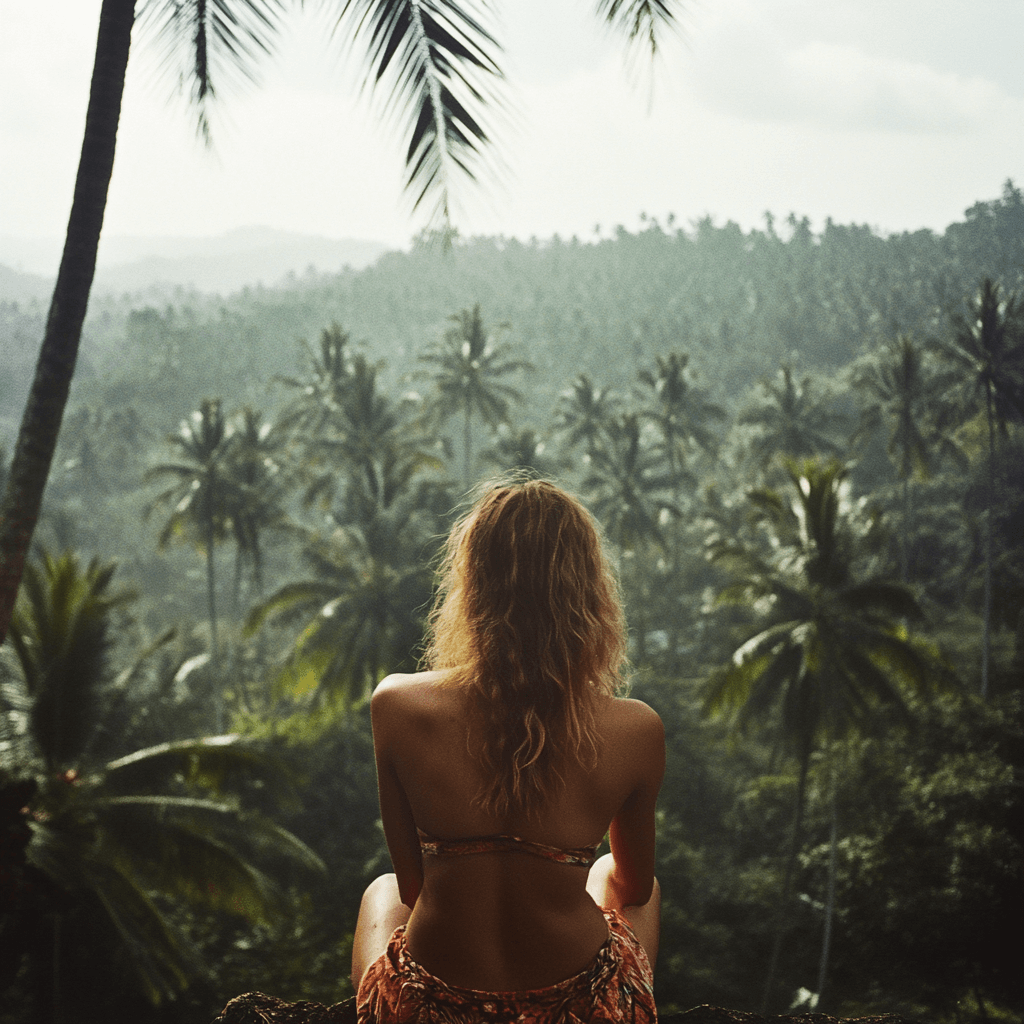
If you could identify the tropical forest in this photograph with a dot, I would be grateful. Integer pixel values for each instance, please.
(805, 449)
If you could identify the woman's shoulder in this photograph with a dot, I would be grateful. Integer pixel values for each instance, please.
(409, 692)
(407, 682)
(630, 726)
(635, 739)
(632, 715)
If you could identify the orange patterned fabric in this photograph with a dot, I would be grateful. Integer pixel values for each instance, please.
(432, 846)
(617, 988)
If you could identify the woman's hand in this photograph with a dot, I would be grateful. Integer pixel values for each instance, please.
(605, 885)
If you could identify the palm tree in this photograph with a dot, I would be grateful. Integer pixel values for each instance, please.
(830, 647)
(987, 352)
(625, 485)
(125, 827)
(469, 362)
(203, 498)
(583, 411)
(792, 420)
(363, 609)
(259, 488)
(901, 392)
(680, 413)
(438, 62)
(377, 443)
(321, 391)
(627, 489)
(521, 450)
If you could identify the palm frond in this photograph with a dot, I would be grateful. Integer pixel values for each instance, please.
(729, 686)
(187, 844)
(289, 601)
(883, 597)
(767, 641)
(442, 63)
(913, 664)
(201, 40)
(61, 635)
(128, 674)
(216, 763)
(781, 676)
(112, 718)
(166, 963)
(877, 683)
(642, 21)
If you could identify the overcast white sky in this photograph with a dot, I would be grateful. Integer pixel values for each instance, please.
(894, 113)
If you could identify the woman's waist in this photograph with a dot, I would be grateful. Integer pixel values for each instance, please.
(499, 944)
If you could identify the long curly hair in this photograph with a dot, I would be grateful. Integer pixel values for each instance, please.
(528, 619)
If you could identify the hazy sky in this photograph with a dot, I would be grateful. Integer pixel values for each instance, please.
(894, 113)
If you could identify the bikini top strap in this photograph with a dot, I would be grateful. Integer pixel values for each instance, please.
(434, 846)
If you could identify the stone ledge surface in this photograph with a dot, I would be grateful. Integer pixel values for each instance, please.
(259, 1008)
(719, 1015)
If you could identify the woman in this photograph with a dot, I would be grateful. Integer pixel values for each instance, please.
(500, 770)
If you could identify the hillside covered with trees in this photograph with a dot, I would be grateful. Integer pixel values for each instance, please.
(806, 450)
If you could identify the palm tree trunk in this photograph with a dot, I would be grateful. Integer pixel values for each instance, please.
(211, 602)
(467, 444)
(905, 531)
(830, 899)
(787, 884)
(236, 587)
(987, 634)
(44, 410)
(56, 1010)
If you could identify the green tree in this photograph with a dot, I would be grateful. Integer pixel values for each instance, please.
(792, 420)
(626, 485)
(583, 412)
(260, 486)
(987, 352)
(203, 498)
(469, 363)
(437, 62)
(523, 449)
(829, 647)
(321, 390)
(932, 870)
(376, 442)
(901, 394)
(362, 610)
(681, 414)
(125, 832)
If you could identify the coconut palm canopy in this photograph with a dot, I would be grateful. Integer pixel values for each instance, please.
(133, 829)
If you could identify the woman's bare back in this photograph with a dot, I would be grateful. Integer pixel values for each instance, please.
(504, 921)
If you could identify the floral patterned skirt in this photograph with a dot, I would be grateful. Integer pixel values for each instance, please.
(616, 988)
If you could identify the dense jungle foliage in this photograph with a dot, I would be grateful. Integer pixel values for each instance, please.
(807, 453)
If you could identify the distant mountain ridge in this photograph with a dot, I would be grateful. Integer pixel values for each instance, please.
(219, 264)
(16, 286)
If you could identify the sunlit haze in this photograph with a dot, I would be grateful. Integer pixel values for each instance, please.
(897, 115)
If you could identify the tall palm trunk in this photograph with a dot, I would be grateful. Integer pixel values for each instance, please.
(830, 898)
(905, 532)
(56, 1010)
(787, 883)
(987, 635)
(44, 410)
(467, 446)
(211, 603)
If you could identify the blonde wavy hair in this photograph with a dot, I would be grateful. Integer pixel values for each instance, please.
(529, 620)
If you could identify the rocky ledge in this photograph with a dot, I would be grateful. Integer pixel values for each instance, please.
(258, 1008)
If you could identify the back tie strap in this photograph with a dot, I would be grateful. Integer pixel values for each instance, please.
(432, 846)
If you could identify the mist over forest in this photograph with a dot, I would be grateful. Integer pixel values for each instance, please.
(806, 451)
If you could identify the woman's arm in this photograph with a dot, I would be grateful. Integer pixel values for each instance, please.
(395, 811)
(630, 880)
